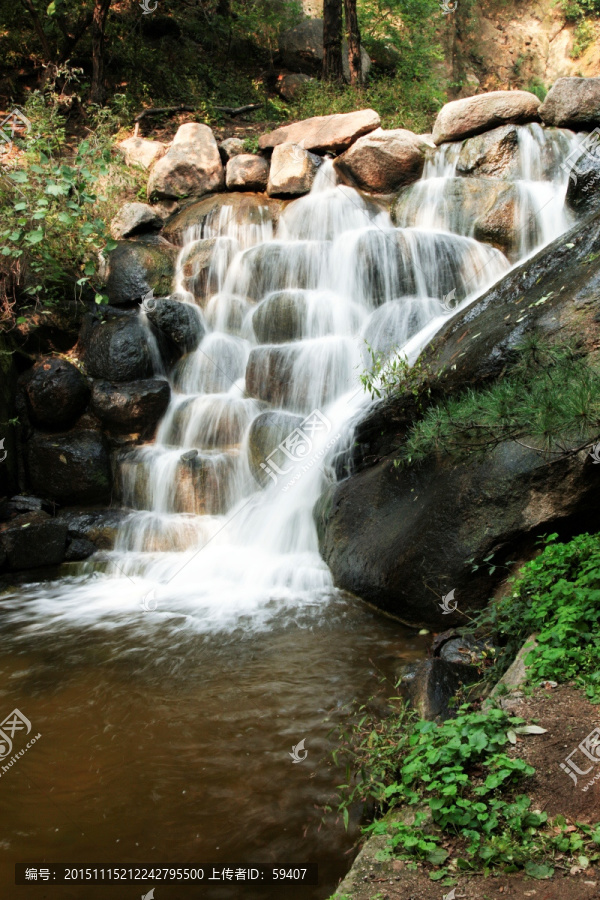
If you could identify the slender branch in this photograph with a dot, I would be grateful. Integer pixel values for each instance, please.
(238, 110)
(38, 28)
(159, 110)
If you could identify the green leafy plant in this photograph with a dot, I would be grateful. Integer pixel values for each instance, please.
(54, 204)
(557, 597)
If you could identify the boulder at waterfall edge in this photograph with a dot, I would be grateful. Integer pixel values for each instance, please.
(72, 468)
(137, 267)
(197, 266)
(494, 153)
(238, 208)
(301, 49)
(280, 317)
(403, 538)
(484, 207)
(472, 115)
(572, 103)
(190, 168)
(133, 407)
(247, 172)
(324, 133)
(116, 350)
(32, 540)
(57, 393)
(583, 191)
(135, 218)
(383, 161)
(267, 431)
(177, 322)
(292, 171)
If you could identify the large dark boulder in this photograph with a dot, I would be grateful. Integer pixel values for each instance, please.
(136, 406)
(56, 391)
(135, 267)
(32, 540)
(179, 322)
(70, 468)
(583, 192)
(116, 350)
(403, 538)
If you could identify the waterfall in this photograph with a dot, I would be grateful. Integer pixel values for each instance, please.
(289, 312)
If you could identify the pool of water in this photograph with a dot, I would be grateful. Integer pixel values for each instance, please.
(167, 746)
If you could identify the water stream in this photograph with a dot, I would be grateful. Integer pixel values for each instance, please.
(171, 677)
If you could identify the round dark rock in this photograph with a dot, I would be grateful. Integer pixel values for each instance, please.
(136, 267)
(79, 549)
(32, 540)
(117, 350)
(179, 322)
(133, 407)
(72, 467)
(57, 392)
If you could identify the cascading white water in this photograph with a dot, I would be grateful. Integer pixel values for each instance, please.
(336, 275)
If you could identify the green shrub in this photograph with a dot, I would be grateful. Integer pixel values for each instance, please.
(54, 205)
(557, 597)
(583, 37)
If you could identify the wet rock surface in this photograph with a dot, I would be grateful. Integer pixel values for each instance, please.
(117, 350)
(70, 468)
(32, 540)
(56, 391)
(136, 267)
(136, 406)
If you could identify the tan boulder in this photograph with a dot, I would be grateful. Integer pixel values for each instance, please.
(141, 152)
(192, 166)
(472, 115)
(495, 153)
(292, 171)
(384, 161)
(247, 173)
(235, 208)
(323, 133)
(573, 103)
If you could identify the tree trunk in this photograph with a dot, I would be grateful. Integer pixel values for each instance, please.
(332, 40)
(38, 29)
(100, 14)
(353, 32)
